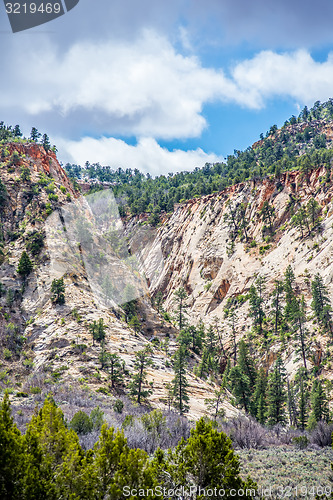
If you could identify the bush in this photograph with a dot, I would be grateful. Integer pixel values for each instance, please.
(81, 423)
(322, 434)
(118, 406)
(246, 432)
(301, 442)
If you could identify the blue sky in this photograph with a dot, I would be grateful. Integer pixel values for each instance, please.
(165, 86)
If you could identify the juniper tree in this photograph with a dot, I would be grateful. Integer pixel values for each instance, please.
(321, 303)
(180, 382)
(276, 394)
(137, 385)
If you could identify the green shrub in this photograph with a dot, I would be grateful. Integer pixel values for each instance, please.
(81, 423)
(301, 442)
(118, 406)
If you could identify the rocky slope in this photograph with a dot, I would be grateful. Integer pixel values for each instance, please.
(195, 242)
(43, 344)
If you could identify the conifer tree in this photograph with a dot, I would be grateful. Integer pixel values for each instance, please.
(97, 330)
(319, 404)
(25, 265)
(232, 318)
(291, 307)
(180, 297)
(246, 362)
(241, 388)
(292, 408)
(58, 291)
(214, 404)
(276, 394)
(321, 303)
(137, 385)
(259, 397)
(313, 210)
(115, 369)
(276, 303)
(35, 135)
(46, 142)
(11, 454)
(303, 397)
(180, 383)
(256, 303)
(267, 213)
(300, 318)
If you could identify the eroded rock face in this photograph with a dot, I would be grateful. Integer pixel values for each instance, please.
(197, 238)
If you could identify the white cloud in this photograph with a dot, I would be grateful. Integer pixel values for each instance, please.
(145, 88)
(147, 155)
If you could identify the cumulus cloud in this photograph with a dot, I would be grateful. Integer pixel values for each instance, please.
(147, 88)
(147, 155)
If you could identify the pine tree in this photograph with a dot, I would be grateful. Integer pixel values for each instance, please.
(246, 362)
(58, 291)
(17, 131)
(313, 210)
(303, 397)
(180, 297)
(276, 395)
(319, 404)
(241, 388)
(259, 397)
(291, 307)
(135, 323)
(256, 303)
(115, 369)
(292, 408)
(180, 383)
(321, 303)
(35, 135)
(232, 318)
(142, 362)
(276, 302)
(25, 265)
(267, 214)
(214, 404)
(97, 330)
(158, 301)
(300, 318)
(46, 142)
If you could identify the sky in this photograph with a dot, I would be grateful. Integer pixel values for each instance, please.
(165, 86)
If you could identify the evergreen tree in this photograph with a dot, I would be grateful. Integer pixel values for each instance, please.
(25, 265)
(319, 404)
(267, 214)
(259, 397)
(58, 291)
(256, 303)
(246, 362)
(180, 383)
(135, 323)
(276, 303)
(292, 408)
(241, 388)
(46, 142)
(321, 303)
(180, 297)
(115, 369)
(291, 308)
(137, 385)
(35, 135)
(313, 210)
(17, 131)
(214, 404)
(302, 334)
(97, 330)
(276, 395)
(232, 318)
(206, 460)
(303, 397)
(158, 301)
(11, 454)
